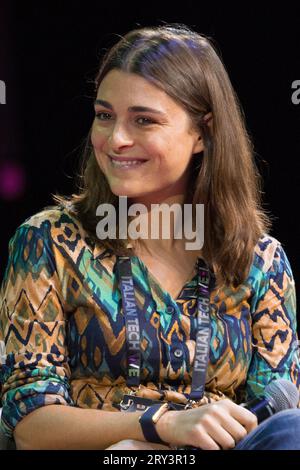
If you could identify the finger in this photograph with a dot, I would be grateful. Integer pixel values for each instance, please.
(220, 436)
(206, 442)
(235, 429)
(244, 417)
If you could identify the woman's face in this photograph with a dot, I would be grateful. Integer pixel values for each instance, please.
(143, 140)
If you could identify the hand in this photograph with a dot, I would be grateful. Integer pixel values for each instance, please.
(219, 425)
(133, 444)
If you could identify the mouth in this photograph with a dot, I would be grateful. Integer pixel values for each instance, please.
(126, 163)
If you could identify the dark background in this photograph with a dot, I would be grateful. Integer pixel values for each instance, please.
(49, 53)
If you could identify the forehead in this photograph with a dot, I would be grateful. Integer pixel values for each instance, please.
(131, 88)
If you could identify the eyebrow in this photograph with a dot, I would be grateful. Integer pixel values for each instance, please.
(133, 109)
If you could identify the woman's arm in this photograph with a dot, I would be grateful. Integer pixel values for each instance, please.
(66, 427)
(32, 327)
(274, 328)
(219, 425)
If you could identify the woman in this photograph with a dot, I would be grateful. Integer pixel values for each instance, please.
(167, 129)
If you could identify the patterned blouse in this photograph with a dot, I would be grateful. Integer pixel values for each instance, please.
(62, 328)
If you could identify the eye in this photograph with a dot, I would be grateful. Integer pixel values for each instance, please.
(102, 116)
(145, 121)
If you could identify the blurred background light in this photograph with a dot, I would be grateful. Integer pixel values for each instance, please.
(12, 180)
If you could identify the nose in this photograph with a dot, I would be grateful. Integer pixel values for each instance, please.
(119, 137)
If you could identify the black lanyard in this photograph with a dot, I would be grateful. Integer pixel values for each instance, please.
(133, 334)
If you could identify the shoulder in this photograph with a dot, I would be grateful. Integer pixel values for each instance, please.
(52, 222)
(50, 217)
(47, 242)
(270, 267)
(56, 229)
(264, 252)
(52, 227)
(270, 256)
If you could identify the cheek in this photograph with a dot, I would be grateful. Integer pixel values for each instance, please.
(160, 149)
(97, 137)
(97, 141)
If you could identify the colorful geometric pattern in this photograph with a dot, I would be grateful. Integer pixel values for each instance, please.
(63, 327)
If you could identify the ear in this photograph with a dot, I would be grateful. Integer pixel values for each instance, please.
(198, 146)
(209, 120)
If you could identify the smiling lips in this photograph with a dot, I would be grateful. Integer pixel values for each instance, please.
(125, 162)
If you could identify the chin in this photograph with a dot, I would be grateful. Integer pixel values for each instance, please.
(123, 191)
(129, 193)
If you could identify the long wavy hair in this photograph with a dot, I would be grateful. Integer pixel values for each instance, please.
(224, 177)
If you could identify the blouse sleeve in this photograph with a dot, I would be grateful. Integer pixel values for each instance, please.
(274, 329)
(35, 368)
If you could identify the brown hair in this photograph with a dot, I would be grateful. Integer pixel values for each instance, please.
(187, 66)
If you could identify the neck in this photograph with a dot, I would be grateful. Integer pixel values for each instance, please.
(158, 225)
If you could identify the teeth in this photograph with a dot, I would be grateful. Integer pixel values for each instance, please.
(126, 163)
